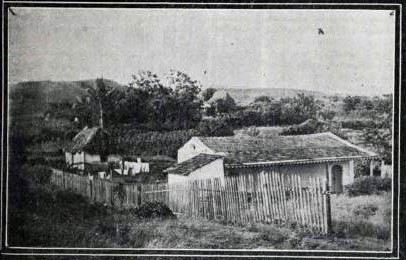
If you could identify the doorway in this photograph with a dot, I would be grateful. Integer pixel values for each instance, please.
(337, 179)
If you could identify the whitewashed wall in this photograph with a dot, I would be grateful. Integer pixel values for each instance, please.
(214, 169)
(90, 158)
(78, 160)
(176, 178)
(192, 148)
(68, 158)
(317, 170)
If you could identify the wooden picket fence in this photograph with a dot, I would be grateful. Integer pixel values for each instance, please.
(267, 197)
(264, 197)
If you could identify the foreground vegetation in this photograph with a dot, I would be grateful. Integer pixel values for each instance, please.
(43, 216)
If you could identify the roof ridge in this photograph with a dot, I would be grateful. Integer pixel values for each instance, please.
(351, 144)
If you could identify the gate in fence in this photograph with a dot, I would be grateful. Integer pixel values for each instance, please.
(264, 197)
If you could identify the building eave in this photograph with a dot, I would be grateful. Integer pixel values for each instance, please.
(298, 162)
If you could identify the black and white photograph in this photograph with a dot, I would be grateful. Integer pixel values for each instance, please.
(202, 129)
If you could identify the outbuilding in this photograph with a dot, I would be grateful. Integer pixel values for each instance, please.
(323, 155)
(89, 146)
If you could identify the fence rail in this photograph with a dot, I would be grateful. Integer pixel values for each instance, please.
(264, 197)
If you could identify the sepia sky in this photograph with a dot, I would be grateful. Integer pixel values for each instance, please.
(227, 48)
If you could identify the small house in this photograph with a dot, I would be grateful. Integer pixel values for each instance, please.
(89, 146)
(322, 155)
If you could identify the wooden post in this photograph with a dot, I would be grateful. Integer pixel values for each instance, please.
(371, 168)
(139, 190)
(327, 202)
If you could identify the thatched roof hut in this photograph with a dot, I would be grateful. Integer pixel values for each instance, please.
(92, 140)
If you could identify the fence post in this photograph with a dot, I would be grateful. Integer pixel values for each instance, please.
(63, 179)
(328, 206)
(139, 189)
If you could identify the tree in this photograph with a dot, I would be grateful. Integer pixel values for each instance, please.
(157, 98)
(215, 127)
(380, 135)
(185, 99)
(93, 105)
(170, 104)
(262, 99)
(224, 105)
(350, 103)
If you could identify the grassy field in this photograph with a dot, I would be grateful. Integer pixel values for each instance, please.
(47, 217)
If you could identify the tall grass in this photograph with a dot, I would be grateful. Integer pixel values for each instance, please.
(362, 216)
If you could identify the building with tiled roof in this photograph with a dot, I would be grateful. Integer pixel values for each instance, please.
(322, 155)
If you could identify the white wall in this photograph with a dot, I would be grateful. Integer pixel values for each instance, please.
(214, 169)
(192, 148)
(114, 158)
(317, 170)
(176, 178)
(78, 160)
(89, 158)
(68, 158)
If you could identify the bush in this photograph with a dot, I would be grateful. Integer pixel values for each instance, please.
(359, 124)
(153, 210)
(310, 126)
(40, 174)
(368, 185)
(274, 235)
(366, 211)
(215, 127)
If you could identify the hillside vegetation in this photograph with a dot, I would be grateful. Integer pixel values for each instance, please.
(246, 96)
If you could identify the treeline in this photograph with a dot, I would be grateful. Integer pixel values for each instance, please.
(148, 102)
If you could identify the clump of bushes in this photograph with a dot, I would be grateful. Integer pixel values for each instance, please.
(40, 174)
(153, 210)
(359, 124)
(215, 127)
(368, 185)
(310, 126)
(366, 210)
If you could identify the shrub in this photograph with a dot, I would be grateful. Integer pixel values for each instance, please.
(274, 235)
(40, 174)
(367, 185)
(215, 127)
(359, 124)
(153, 210)
(366, 211)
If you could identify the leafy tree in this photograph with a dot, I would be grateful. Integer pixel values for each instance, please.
(93, 106)
(169, 105)
(215, 127)
(157, 98)
(379, 135)
(225, 105)
(185, 99)
(262, 99)
(350, 103)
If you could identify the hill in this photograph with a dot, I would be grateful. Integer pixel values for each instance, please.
(245, 96)
(34, 97)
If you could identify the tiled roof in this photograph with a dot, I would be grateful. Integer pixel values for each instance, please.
(284, 148)
(188, 166)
